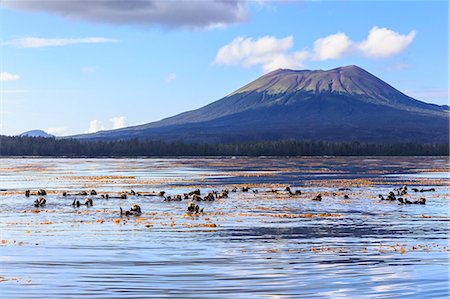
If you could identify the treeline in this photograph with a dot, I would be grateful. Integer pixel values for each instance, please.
(38, 146)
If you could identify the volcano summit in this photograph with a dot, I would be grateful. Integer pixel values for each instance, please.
(342, 104)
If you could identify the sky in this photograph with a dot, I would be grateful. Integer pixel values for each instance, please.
(71, 67)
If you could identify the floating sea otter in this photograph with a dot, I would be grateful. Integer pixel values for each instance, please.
(82, 193)
(197, 197)
(405, 201)
(391, 196)
(134, 211)
(160, 193)
(193, 208)
(88, 203)
(318, 197)
(195, 192)
(209, 197)
(223, 194)
(175, 198)
(41, 192)
(296, 192)
(121, 196)
(40, 202)
(402, 191)
(421, 201)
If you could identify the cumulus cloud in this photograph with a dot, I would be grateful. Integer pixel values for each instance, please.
(286, 61)
(271, 52)
(95, 126)
(5, 76)
(268, 51)
(383, 42)
(172, 14)
(331, 47)
(118, 122)
(380, 43)
(39, 42)
(58, 131)
(251, 51)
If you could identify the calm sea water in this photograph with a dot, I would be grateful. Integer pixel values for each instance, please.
(250, 245)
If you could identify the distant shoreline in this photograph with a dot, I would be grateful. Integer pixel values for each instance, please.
(51, 147)
(214, 157)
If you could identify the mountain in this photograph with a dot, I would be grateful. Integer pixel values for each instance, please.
(36, 133)
(342, 104)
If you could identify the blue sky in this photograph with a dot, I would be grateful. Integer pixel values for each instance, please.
(69, 69)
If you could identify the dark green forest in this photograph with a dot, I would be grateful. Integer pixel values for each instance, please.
(38, 146)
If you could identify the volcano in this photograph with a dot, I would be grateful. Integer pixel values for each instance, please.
(342, 104)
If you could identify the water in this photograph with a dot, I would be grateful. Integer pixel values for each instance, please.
(250, 245)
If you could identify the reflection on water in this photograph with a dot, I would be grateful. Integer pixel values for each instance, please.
(264, 244)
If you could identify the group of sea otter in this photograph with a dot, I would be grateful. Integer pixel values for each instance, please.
(211, 196)
(135, 209)
(404, 191)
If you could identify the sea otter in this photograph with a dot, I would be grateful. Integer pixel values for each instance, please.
(134, 211)
(40, 202)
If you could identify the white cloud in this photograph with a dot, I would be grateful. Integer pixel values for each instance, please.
(383, 42)
(332, 46)
(118, 122)
(145, 13)
(286, 61)
(380, 43)
(39, 42)
(58, 131)
(271, 52)
(171, 77)
(4, 76)
(95, 126)
(251, 51)
(268, 51)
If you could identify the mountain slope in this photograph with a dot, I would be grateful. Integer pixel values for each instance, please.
(345, 103)
(36, 133)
